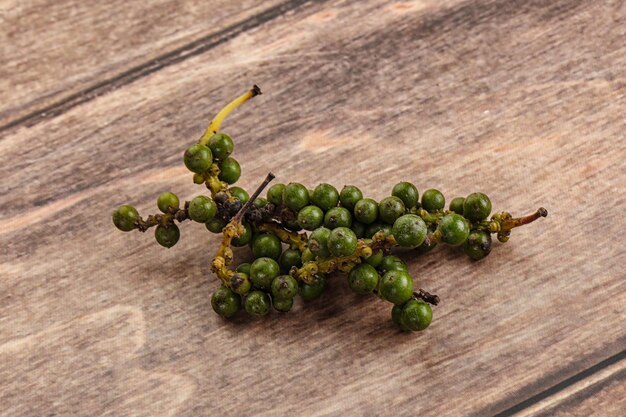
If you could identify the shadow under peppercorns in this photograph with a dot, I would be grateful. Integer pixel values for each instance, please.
(337, 309)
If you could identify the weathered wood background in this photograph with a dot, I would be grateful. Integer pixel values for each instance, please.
(524, 100)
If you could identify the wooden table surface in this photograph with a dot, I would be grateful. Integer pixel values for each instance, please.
(523, 100)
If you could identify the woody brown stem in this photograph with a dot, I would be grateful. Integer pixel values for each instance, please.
(234, 228)
(152, 220)
(426, 296)
(509, 223)
(253, 197)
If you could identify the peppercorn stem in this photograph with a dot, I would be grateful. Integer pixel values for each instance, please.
(433, 237)
(292, 238)
(333, 263)
(306, 273)
(426, 296)
(429, 217)
(253, 197)
(216, 123)
(509, 223)
(381, 241)
(218, 266)
(235, 229)
(179, 215)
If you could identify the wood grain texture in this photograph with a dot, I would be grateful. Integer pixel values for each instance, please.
(522, 100)
(52, 51)
(602, 393)
(605, 399)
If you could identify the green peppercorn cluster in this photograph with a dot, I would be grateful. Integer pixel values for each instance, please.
(212, 165)
(338, 227)
(299, 237)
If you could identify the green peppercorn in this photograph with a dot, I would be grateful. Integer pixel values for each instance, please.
(363, 278)
(309, 292)
(342, 242)
(390, 208)
(426, 247)
(433, 200)
(454, 229)
(374, 228)
(307, 256)
(456, 205)
(318, 242)
(240, 194)
(202, 209)
(292, 225)
(257, 303)
(221, 145)
(406, 192)
(275, 194)
(396, 287)
(230, 171)
(215, 225)
(284, 287)
(283, 305)
(416, 315)
(358, 229)
(266, 245)
(125, 218)
(244, 239)
(476, 207)
(168, 202)
(477, 245)
(349, 196)
(221, 197)
(325, 196)
(392, 263)
(409, 230)
(337, 217)
(198, 158)
(244, 267)
(366, 210)
(310, 217)
(396, 317)
(225, 302)
(376, 258)
(260, 202)
(263, 271)
(240, 283)
(290, 258)
(295, 196)
(167, 236)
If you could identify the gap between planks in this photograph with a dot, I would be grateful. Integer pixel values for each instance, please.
(584, 380)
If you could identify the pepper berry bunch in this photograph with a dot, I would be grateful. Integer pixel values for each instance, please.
(300, 236)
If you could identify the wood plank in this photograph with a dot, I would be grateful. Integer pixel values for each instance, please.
(59, 52)
(503, 97)
(606, 399)
(601, 394)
